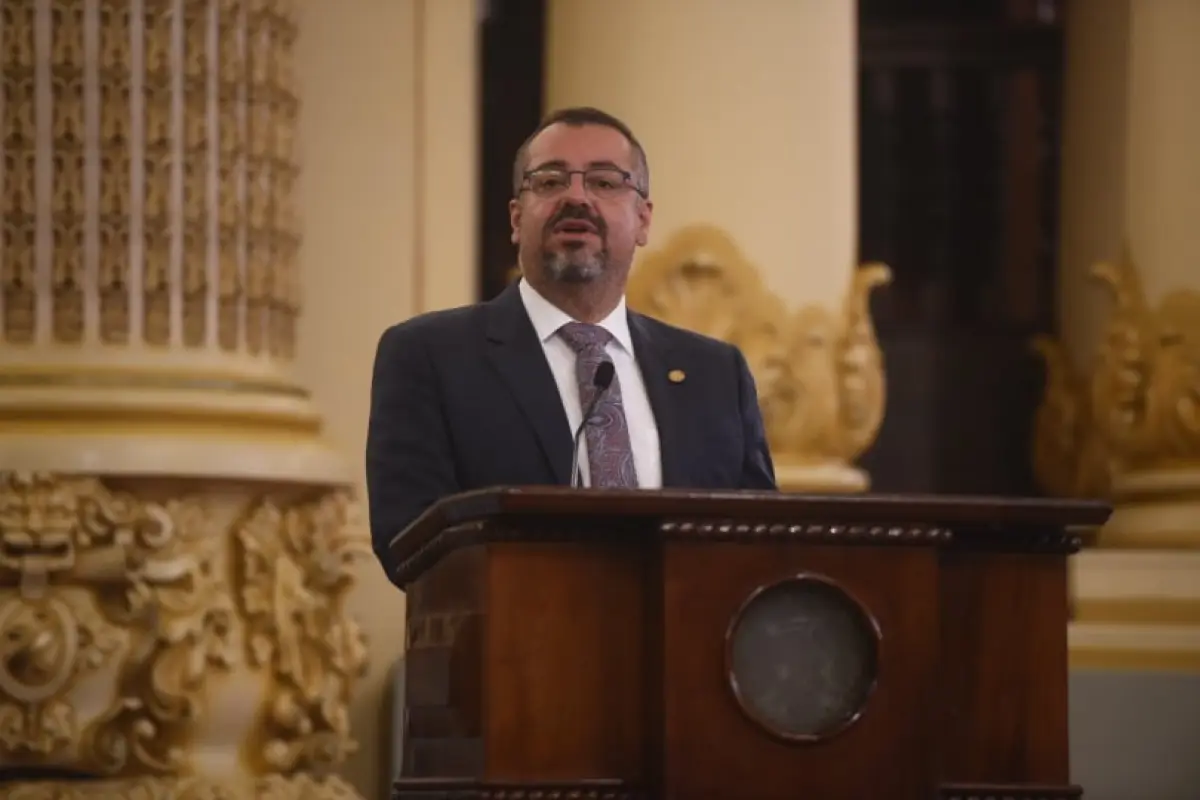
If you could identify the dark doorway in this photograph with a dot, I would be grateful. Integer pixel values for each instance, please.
(512, 49)
(959, 113)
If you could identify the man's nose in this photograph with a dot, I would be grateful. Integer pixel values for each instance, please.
(576, 191)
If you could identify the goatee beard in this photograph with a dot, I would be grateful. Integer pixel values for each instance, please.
(575, 266)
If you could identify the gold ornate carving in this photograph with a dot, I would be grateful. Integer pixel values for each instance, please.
(88, 575)
(1070, 456)
(130, 218)
(49, 641)
(297, 565)
(197, 165)
(819, 372)
(18, 260)
(113, 77)
(66, 75)
(272, 787)
(1139, 407)
(84, 561)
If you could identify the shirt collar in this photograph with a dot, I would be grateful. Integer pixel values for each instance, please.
(547, 318)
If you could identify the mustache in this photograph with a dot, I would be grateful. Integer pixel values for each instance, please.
(573, 211)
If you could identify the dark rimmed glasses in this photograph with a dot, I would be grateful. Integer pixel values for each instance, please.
(603, 183)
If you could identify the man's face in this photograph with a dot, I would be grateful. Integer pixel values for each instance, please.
(571, 230)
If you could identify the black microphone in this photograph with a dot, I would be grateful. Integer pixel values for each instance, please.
(603, 379)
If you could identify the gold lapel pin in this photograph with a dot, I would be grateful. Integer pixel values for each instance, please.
(676, 376)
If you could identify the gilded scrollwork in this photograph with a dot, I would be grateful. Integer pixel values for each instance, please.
(296, 566)
(1138, 407)
(1070, 455)
(819, 372)
(274, 787)
(51, 636)
(84, 562)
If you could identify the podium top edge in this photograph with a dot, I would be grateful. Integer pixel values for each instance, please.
(1014, 514)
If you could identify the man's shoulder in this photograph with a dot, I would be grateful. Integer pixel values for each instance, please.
(441, 325)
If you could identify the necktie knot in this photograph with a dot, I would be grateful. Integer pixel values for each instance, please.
(584, 338)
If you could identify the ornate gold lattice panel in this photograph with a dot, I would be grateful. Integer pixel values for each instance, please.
(149, 159)
(148, 274)
(819, 371)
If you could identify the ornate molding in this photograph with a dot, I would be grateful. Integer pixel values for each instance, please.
(142, 566)
(1128, 427)
(297, 566)
(165, 595)
(459, 789)
(301, 787)
(1007, 791)
(819, 371)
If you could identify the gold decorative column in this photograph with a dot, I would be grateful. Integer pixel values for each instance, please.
(176, 540)
(1126, 422)
(753, 178)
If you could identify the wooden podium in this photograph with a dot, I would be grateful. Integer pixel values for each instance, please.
(593, 644)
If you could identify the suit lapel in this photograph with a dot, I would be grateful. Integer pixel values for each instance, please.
(666, 398)
(515, 351)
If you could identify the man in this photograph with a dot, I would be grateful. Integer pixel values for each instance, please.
(491, 394)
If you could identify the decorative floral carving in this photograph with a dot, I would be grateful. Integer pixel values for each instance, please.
(83, 561)
(1070, 455)
(47, 642)
(177, 595)
(819, 372)
(297, 565)
(274, 787)
(1139, 408)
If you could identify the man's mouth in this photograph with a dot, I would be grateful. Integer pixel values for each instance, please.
(575, 227)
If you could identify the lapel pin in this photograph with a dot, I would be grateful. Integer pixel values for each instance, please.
(676, 376)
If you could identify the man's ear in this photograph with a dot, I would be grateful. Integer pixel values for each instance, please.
(514, 219)
(645, 213)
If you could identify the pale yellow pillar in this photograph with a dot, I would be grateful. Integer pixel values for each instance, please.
(1121, 417)
(177, 537)
(747, 113)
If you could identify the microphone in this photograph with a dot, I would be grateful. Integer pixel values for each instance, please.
(603, 379)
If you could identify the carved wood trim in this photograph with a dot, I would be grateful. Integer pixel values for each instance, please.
(991, 539)
(1007, 791)
(458, 789)
(728, 530)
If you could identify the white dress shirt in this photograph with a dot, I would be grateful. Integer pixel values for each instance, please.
(547, 318)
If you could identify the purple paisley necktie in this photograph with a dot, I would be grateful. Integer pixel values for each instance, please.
(610, 455)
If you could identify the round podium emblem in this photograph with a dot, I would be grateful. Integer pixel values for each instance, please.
(802, 658)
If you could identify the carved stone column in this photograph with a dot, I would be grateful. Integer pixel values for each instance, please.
(176, 539)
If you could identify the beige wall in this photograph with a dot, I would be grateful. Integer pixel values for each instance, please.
(748, 116)
(387, 199)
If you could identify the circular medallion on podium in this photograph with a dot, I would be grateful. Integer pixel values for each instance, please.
(802, 658)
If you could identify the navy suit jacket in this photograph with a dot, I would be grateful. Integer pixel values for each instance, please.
(464, 399)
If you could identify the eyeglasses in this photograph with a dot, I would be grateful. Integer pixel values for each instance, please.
(603, 183)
